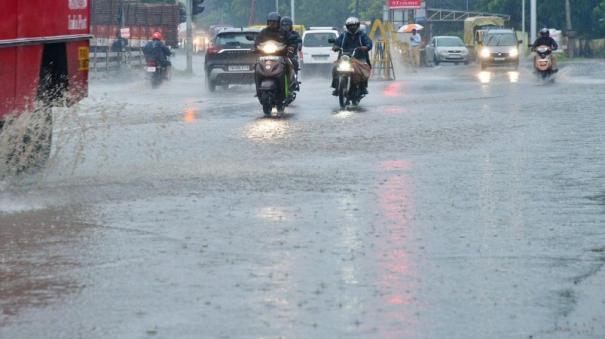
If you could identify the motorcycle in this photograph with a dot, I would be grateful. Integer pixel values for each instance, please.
(350, 79)
(276, 81)
(543, 64)
(156, 73)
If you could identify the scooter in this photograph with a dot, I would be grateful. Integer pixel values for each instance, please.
(275, 78)
(349, 80)
(543, 62)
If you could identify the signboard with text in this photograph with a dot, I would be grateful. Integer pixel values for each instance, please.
(404, 4)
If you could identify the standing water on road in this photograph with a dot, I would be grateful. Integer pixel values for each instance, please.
(452, 203)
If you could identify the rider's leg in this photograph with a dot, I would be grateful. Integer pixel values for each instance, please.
(334, 81)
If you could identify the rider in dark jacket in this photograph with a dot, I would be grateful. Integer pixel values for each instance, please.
(295, 40)
(349, 40)
(546, 40)
(157, 51)
(273, 32)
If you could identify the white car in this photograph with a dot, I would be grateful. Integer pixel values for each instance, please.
(446, 49)
(317, 50)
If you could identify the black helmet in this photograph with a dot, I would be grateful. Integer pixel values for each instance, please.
(273, 17)
(544, 32)
(286, 21)
(352, 25)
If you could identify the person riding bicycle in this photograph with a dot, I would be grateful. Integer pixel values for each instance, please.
(353, 38)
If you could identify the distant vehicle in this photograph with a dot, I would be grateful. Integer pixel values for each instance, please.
(230, 59)
(475, 27)
(156, 73)
(299, 28)
(215, 29)
(499, 47)
(317, 50)
(447, 49)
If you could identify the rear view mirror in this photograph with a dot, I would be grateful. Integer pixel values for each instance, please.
(250, 37)
(520, 42)
(331, 40)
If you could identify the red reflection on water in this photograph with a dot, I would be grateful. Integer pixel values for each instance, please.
(393, 90)
(396, 110)
(395, 165)
(396, 267)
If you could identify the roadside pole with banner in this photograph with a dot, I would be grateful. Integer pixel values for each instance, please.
(400, 10)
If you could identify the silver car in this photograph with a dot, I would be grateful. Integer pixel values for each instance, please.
(446, 49)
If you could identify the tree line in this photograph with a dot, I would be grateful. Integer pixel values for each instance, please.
(588, 16)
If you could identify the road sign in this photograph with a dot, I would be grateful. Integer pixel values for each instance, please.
(404, 4)
(125, 33)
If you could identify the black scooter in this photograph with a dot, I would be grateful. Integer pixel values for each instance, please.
(275, 79)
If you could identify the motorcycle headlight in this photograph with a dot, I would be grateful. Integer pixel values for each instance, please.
(269, 48)
(485, 53)
(345, 66)
(514, 52)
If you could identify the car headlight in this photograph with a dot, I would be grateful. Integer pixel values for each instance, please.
(345, 66)
(514, 52)
(485, 53)
(269, 48)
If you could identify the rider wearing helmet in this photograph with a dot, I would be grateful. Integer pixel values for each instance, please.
(546, 40)
(353, 38)
(273, 31)
(157, 51)
(287, 24)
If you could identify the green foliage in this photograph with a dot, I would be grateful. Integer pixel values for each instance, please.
(585, 14)
(588, 16)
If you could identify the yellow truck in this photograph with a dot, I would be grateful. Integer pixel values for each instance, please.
(299, 28)
(475, 27)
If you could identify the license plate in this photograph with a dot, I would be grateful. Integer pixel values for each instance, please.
(320, 57)
(150, 69)
(239, 68)
(499, 59)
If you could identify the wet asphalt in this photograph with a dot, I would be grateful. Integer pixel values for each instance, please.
(450, 204)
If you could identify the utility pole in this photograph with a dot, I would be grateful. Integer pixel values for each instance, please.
(293, 10)
(533, 17)
(523, 26)
(252, 17)
(189, 43)
(357, 8)
(277, 6)
(571, 44)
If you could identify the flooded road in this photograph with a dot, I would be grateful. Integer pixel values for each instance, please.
(452, 204)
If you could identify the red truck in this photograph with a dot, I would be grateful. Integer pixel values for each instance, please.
(44, 52)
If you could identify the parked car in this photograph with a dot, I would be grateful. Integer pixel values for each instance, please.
(446, 49)
(499, 47)
(317, 50)
(229, 59)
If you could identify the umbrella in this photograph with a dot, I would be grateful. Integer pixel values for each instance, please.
(408, 28)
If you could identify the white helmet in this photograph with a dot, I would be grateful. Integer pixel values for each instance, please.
(352, 25)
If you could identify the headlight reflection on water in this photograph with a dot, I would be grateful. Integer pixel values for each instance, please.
(268, 130)
(513, 77)
(485, 77)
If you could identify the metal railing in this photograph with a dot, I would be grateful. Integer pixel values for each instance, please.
(450, 15)
(104, 59)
